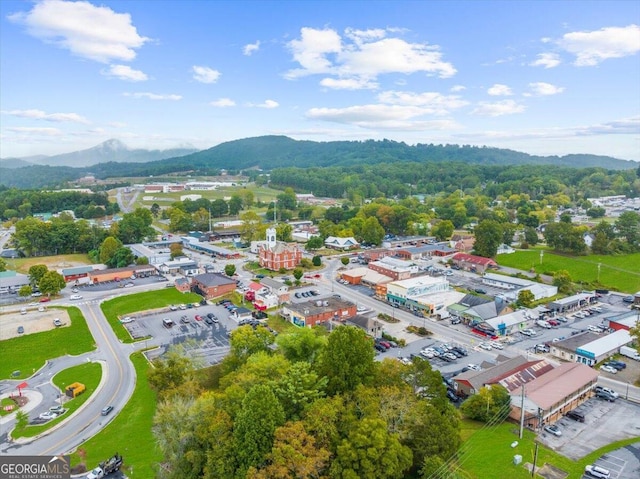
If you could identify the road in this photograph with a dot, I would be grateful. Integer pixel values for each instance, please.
(118, 383)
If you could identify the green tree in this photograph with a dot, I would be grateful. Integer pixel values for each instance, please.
(135, 227)
(297, 274)
(315, 242)
(176, 250)
(22, 420)
(36, 272)
(246, 341)
(247, 198)
(255, 425)
(628, 227)
(491, 403)
(372, 231)
(251, 229)
(302, 344)
(488, 237)
(3, 265)
(344, 260)
(51, 283)
(155, 210)
(230, 269)
(371, 452)
(142, 260)
(108, 249)
(562, 279)
(530, 236)
(171, 371)
(443, 230)
(298, 389)
(235, 204)
(121, 258)
(317, 261)
(347, 360)
(525, 298)
(25, 291)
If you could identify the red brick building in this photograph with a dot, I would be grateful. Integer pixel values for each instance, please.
(274, 255)
(213, 285)
(312, 313)
(473, 263)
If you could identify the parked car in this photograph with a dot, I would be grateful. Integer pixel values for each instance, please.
(480, 291)
(497, 345)
(608, 369)
(485, 346)
(456, 320)
(56, 409)
(45, 299)
(460, 350)
(607, 390)
(197, 317)
(57, 322)
(619, 365)
(628, 299)
(48, 415)
(474, 367)
(553, 429)
(20, 329)
(75, 296)
(597, 471)
(576, 416)
(450, 356)
(605, 395)
(594, 329)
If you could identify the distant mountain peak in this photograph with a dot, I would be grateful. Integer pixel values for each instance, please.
(113, 145)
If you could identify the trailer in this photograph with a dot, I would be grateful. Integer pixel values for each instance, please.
(107, 467)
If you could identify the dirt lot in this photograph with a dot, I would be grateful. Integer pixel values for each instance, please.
(32, 322)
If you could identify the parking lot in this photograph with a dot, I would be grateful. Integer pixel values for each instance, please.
(209, 341)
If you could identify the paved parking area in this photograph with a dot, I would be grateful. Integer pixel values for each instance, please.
(623, 463)
(210, 342)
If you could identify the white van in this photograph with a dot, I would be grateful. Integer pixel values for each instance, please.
(23, 311)
(167, 323)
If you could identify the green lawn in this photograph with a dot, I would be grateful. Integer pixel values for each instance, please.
(129, 433)
(133, 303)
(29, 353)
(88, 374)
(619, 273)
(22, 265)
(487, 452)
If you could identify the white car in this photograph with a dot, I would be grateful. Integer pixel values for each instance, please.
(595, 329)
(485, 346)
(608, 369)
(75, 296)
(474, 367)
(497, 345)
(553, 429)
(597, 471)
(48, 415)
(607, 390)
(126, 319)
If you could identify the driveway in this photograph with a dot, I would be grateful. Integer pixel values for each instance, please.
(623, 463)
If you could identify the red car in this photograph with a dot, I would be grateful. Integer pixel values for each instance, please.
(198, 317)
(45, 299)
(553, 322)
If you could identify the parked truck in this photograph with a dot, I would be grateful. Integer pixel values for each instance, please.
(630, 352)
(107, 467)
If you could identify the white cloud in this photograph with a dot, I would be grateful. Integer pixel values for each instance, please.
(380, 116)
(35, 131)
(41, 115)
(547, 60)
(544, 89)
(363, 55)
(457, 88)
(591, 48)
(499, 90)
(429, 102)
(250, 48)
(205, 74)
(504, 107)
(348, 83)
(117, 124)
(268, 104)
(223, 103)
(88, 31)
(154, 96)
(125, 72)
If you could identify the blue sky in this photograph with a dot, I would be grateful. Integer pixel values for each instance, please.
(543, 77)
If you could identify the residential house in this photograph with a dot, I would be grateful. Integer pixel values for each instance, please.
(469, 262)
(343, 244)
(371, 326)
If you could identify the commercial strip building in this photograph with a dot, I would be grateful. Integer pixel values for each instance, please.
(515, 285)
(413, 293)
(572, 303)
(590, 348)
(321, 311)
(626, 320)
(549, 397)
(11, 281)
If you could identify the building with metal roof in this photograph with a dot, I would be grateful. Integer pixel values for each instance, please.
(603, 347)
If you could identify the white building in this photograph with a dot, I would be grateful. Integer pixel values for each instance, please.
(595, 351)
(515, 285)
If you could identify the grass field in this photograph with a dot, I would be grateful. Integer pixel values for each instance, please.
(30, 352)
(488, 453)
(129, 433)
(22, 265)
(88, 374)
(619, 273)
(134, 303)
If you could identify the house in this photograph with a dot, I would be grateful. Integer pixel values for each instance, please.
(588, 239)
(371, 326)
(275, 255)
(505, 249)
(469, 262)
(423, 251)
(509, 323)
(213, 285)
(183, 266)
(462, 243)
(183, 285)
(321, 311)
(239, 314)
(550, 396)
(365, 276)
(342, 244)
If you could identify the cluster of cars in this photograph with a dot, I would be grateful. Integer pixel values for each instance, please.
(445, 352)
(52, 413)
(613, 366)
(382, 345)
(306, 294)
(489, 345)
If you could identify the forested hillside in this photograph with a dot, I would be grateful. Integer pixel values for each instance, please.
(272, 152)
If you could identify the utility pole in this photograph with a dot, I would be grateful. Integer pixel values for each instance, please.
(535, 460)
(522, 413)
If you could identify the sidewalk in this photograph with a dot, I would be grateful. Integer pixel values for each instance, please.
(34, 397)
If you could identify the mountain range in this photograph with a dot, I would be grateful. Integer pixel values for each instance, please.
(108, 151)
(113, 159)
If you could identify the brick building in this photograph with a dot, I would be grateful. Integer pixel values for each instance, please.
(274, 255)
(213, 285)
